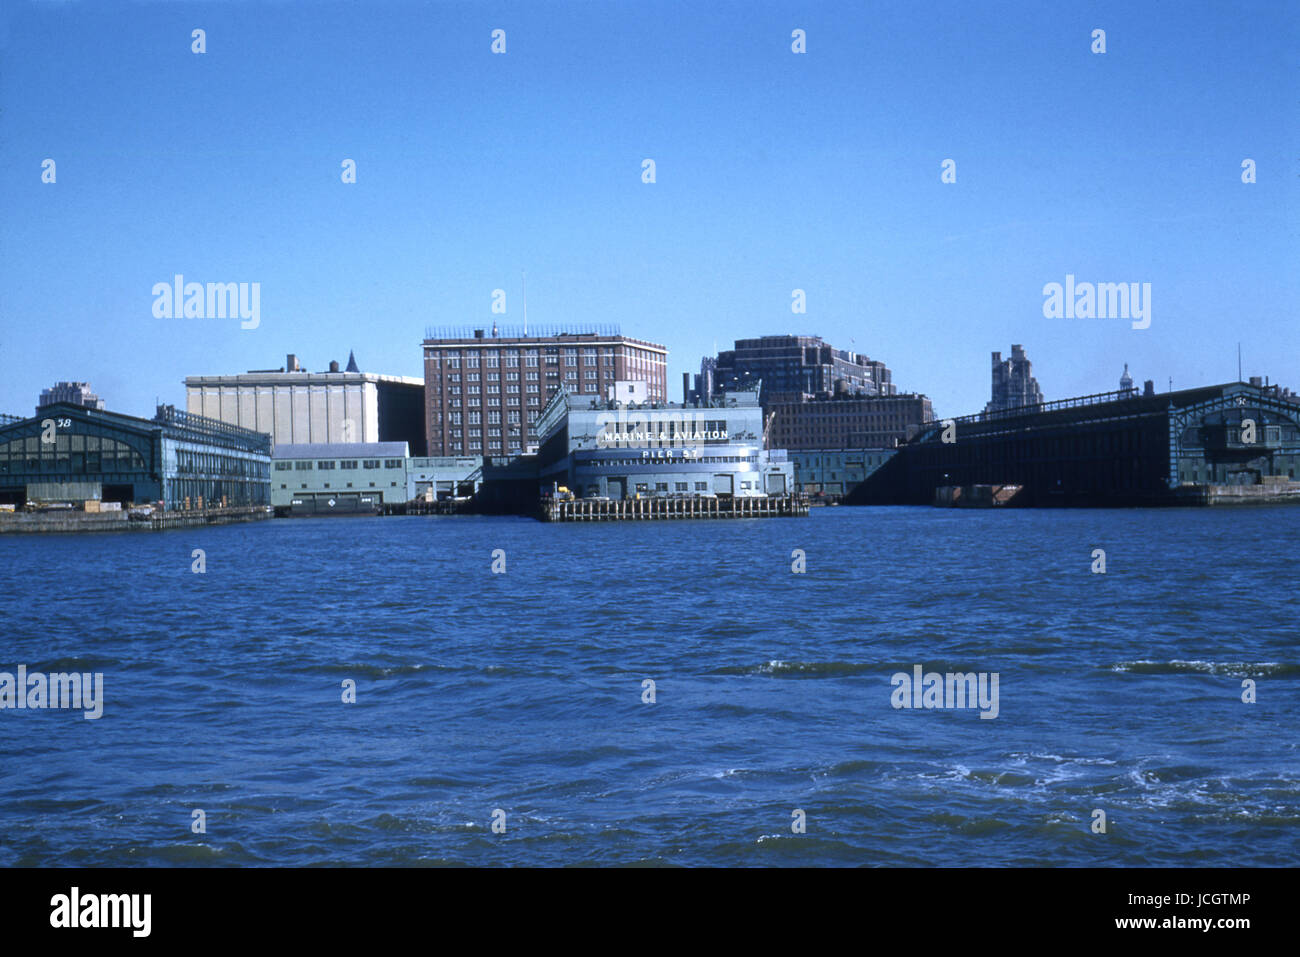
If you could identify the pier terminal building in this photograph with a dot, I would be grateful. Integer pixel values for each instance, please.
(73, 453)
(625, 445)
(1236, 442)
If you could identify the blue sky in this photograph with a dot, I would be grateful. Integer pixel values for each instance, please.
(775, 171)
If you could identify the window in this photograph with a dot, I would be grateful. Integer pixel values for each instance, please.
(284, 466)
(370, 464)
(392, 463)
(302, 466)
(348, 464)
(681, 486)
(325, 465)
(701, 486)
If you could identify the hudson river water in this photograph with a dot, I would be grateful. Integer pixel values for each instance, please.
(522, 691)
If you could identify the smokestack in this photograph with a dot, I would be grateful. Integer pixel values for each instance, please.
(334, 365)
(686, 388)
(291, 363)
(1149, 387)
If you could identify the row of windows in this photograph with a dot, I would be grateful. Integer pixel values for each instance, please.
(328, 464)
(63, 442)
(718, 459)
(76, 463)
(490, 354)
(512, 362)
(327, 485)
(211, 463)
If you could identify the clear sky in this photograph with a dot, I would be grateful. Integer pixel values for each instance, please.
(775, 171)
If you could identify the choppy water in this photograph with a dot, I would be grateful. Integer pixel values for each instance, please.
(523, 691)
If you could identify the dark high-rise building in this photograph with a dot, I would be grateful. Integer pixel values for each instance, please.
(75, 393)
(799, 368)
(483, 392)
(1014, 385)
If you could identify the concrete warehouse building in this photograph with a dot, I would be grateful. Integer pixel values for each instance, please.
(616, 449)
(73, 453)
(338, 477)
(297, 407)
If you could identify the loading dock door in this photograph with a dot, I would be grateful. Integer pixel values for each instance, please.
(776, 483)
(722, 485)
(617, 488)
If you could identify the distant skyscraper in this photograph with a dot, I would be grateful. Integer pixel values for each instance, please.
(1014, 385)
(799, 368)
(1126, 380)
(704, 379)
(78, 393)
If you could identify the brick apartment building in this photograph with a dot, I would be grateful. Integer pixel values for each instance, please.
(484, 389)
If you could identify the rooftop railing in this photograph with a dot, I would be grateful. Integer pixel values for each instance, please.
(1080, 401)
(532, 331)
